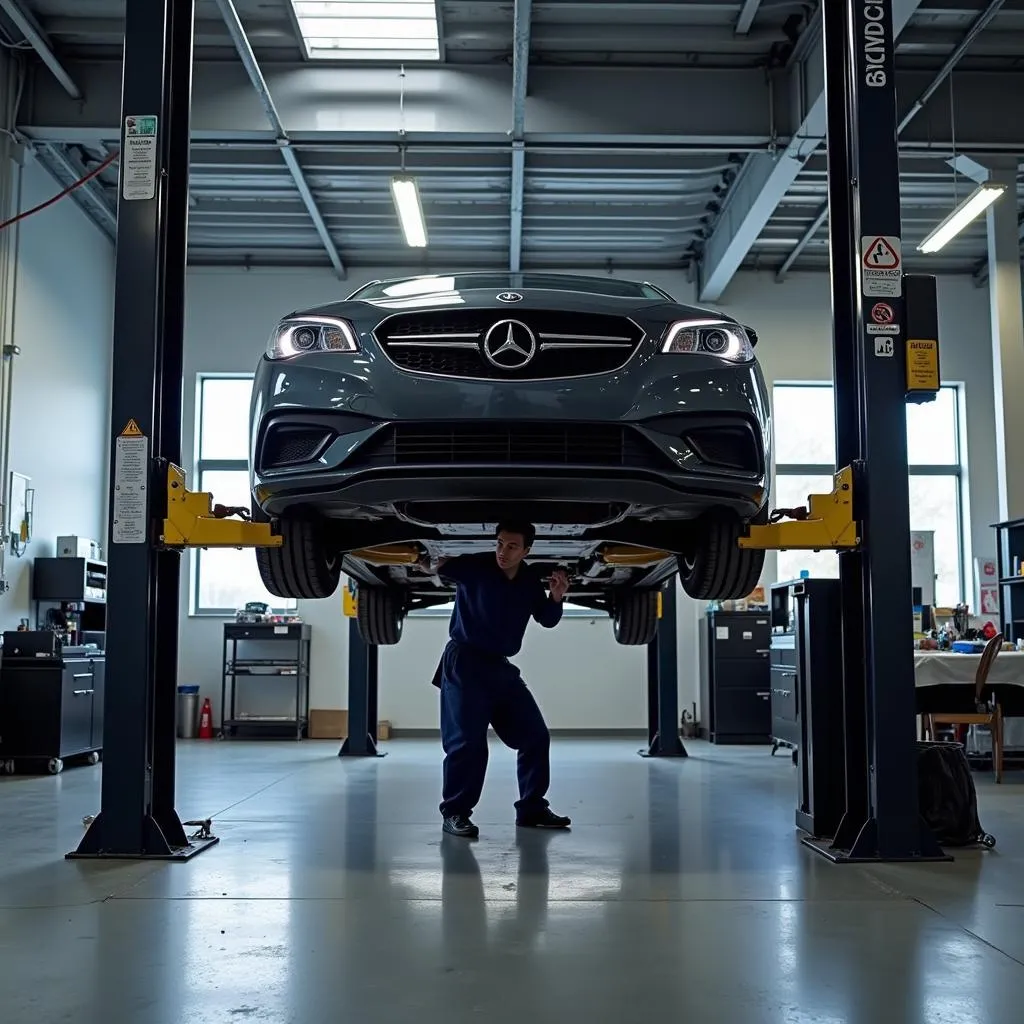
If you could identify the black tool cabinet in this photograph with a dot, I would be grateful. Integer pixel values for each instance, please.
(807, 667)
(51, 708)
(735, 677)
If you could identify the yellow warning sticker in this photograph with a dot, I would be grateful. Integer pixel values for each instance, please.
(131, 430)
(922, 364)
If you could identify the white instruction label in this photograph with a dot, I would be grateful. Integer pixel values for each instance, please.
(139, 157)
(884, 347)
(131, 481)
(882, 266)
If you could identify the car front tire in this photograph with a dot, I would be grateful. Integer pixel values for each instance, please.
(717, 568)
(380, 614)
(635, 617)
(305, 566)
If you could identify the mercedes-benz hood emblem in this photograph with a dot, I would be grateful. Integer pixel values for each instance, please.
(510, 345)
(509, 297)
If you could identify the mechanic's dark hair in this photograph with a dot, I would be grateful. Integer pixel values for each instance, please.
(525, 530)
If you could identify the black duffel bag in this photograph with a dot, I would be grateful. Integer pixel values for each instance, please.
(948, 799)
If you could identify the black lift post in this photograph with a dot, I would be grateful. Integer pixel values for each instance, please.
(663, 683)
(362, 697)
(882, 820)
(137, 818)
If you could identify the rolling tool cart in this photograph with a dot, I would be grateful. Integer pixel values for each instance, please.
(51, 702)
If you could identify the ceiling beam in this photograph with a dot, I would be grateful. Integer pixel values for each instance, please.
(679, 110)
(29, 28)
(764, 179)
(520, 70)
(252, 69)
(747, 15)
(919, 104)
(99, 209)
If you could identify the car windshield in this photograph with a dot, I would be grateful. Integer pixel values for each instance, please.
(412, 287)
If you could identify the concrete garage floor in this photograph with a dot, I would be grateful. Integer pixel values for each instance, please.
(681, 893)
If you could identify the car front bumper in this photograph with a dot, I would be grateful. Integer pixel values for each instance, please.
(671, 433)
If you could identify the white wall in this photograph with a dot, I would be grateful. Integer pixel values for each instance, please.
(63, 317)
(582, 678)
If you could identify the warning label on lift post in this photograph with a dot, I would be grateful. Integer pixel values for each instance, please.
(131, 481)
(139, 157)
(881, 266)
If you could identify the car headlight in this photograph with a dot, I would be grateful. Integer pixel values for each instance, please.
(300, 334)
(710, 337)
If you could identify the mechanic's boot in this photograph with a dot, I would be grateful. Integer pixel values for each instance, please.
(460, 825)
(542, 819)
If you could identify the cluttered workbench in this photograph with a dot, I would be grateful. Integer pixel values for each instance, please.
(944, 682)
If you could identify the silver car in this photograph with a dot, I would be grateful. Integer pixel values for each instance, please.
(405, 421)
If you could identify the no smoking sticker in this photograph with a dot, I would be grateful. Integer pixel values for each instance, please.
(883, 319)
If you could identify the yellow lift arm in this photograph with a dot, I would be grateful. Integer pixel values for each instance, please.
(826, 525)
(192, 520)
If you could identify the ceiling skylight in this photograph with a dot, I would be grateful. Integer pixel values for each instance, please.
(403, 30)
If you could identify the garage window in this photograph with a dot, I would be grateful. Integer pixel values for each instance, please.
(805, 461)
(225, 580)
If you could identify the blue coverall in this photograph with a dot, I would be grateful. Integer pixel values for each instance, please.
(481, 687)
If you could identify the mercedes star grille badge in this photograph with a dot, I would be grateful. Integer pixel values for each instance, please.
(510, 297)
(510, 345)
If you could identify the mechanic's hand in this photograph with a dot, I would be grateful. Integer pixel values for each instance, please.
(559, 584)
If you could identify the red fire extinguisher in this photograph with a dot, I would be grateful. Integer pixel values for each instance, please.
(206, 721)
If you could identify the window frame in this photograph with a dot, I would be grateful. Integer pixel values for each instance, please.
(200, 467)
(954, 469)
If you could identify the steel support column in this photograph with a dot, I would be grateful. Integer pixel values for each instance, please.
(663, 684)
(137, 818)
(362, 697)
(1007, 319)
(882, 820)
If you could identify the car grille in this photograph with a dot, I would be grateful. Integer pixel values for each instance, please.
(508, 444)
(451, 343)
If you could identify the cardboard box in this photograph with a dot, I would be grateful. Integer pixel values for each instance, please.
(328, 724)
(383, 730)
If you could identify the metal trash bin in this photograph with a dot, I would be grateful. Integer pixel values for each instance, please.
(188, 712)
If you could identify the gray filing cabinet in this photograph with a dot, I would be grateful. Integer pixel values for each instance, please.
(736, 677)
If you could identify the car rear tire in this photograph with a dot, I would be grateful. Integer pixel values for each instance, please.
(306, 566)
(380, 614)
(718, 569)
(635, 617)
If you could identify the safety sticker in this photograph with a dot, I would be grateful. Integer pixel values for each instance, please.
(922, 364)
(884, 347)
(882, 266)
(131, 482)
(882, 319)
(139, 157)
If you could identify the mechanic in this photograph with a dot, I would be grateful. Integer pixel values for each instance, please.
(496, 595)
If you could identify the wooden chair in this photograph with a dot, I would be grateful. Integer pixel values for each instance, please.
(986, 711)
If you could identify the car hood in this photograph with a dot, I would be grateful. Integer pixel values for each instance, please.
(540, 298)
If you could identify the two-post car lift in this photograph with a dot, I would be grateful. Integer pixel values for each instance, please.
(866, 518)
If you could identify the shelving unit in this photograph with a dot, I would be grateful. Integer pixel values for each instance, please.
(1010, 555)
(272, 654)
(78, 585)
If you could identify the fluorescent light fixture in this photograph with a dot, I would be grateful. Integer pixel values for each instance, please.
(406, 194)
(402, 30)
(974, 205)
